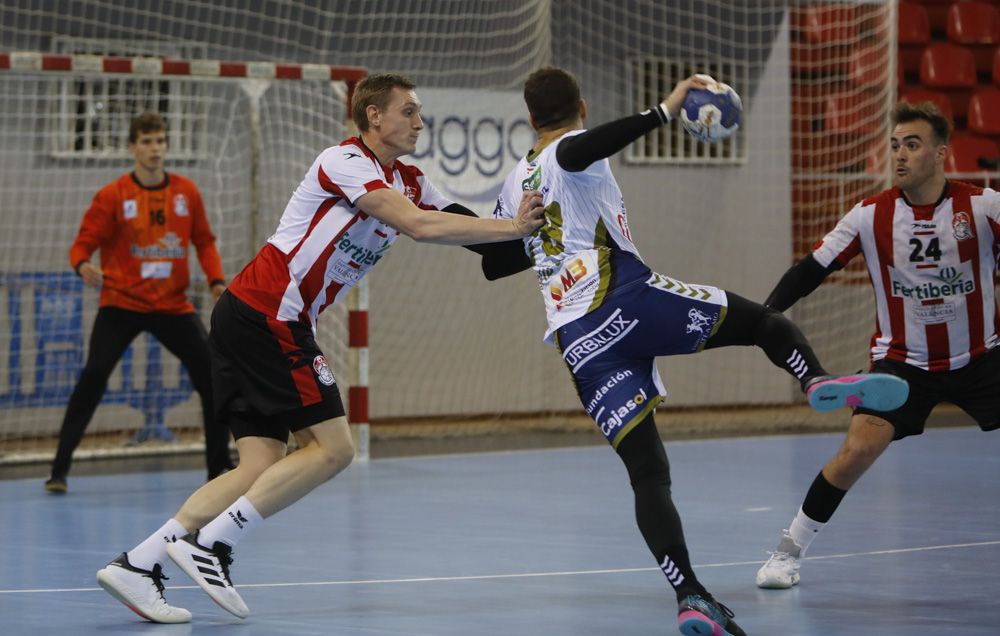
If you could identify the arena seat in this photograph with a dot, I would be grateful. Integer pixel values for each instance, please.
(975, 25)
(917, 95)
(966, 151)
(914, 33)
(950, 68)
(984, 113)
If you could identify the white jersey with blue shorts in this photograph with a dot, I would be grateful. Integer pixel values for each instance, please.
(607, 312)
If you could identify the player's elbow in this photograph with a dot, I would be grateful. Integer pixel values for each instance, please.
(420, 228)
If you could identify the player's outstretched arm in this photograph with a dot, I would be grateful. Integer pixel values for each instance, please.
(499, 259)
(798, 282)
(578, 152)
(397, 211)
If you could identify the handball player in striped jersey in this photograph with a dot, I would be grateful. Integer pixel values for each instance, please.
(930, 245)
(270, 377)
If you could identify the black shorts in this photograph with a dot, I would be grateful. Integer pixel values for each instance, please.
(269, 376)
(975, 388)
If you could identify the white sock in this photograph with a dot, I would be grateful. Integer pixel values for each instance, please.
(803, 530)
(154, 549)
(232, 525)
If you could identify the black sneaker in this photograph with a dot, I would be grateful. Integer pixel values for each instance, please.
(140, 590)
(702, 615)
(56, 485)
(210, 570)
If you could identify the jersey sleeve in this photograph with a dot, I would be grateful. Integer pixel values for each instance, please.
(504, 208)
(843, 243)
(203, 239)
(96, 228)
(430, 197)
(345, 171)
(992, 200)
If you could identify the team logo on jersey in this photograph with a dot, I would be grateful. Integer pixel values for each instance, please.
(700, 321)
(168, 246)
(410, 193)
(949, 281)
(961, 226)
(180, 205)
(129, 209)
(570, 274)
(534, 178)
(499, 207)
(322, 369)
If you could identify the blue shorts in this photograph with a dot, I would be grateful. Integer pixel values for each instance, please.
(611, 352)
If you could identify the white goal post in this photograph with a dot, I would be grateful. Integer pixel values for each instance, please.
(245, 132)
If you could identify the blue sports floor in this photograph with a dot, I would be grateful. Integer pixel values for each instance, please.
(541, 542)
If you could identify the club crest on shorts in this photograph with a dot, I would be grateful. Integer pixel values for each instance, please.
(323, 371)
(699, 321)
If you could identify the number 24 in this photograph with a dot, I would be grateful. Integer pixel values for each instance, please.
(932, 251)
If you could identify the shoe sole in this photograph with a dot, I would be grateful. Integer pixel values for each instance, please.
(777, 585)
(106, 581)
(183, 563)
(879, 392)
(56, 489)
(692, 623)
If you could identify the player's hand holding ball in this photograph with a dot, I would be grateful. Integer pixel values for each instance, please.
(709, 110)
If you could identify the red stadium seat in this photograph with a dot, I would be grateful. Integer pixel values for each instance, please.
(937, 13)
(826, 24)
(950, 68)
(965, 151)
(984, 113)
(939, 99)
(914, 34)
(996, 68)
(914, 27)
(977, 26)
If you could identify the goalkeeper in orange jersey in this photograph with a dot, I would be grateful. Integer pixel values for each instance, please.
(143, 223)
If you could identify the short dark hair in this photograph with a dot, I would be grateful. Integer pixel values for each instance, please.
(905, 112)
(375, 90)
(552, 96)
(144, 123)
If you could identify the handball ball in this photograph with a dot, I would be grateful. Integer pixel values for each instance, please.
(712, 113)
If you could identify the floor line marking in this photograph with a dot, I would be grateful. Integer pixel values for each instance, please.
(526, 575)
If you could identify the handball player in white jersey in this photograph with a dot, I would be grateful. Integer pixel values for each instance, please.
(930, 245)
(269, 377)
(610, 315)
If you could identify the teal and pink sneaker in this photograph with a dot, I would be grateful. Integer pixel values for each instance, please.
(700, 615)
(875, 391)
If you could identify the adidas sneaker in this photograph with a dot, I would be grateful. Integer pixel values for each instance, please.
(210, 570)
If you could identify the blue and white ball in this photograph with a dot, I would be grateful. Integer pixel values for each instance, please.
(712, 113)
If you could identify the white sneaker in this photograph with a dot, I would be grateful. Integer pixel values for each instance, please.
(210, 570)
(140, 590)
(781, 570)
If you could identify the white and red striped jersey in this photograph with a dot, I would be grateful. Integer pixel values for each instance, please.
(324, 243)
(932, 268)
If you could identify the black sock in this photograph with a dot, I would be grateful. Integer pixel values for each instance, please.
(660, 524)
(822, 499)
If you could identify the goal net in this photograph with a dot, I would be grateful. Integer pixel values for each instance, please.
(817, 80)
(244, 133)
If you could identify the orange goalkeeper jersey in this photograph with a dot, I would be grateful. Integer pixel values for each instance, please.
(144, 234)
